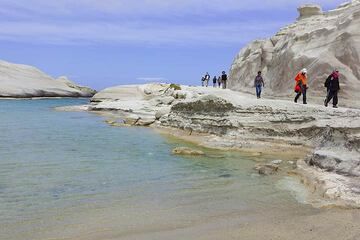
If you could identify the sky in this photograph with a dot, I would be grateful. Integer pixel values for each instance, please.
(102, 43)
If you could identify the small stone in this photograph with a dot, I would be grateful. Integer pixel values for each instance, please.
(162, 112)
(145, 122)
(147, 91)
(276, 162)
(267, 169)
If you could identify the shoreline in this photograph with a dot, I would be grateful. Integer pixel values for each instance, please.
(41, 98)
(217, 196)
(228, 120)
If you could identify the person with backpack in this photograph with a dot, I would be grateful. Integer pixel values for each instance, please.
(224, 79)
(301, 85)
(207, 78)
(202, 80)
(333, 86)
(258, 84)
(214, 81)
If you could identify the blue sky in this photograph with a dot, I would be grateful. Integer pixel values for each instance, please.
(103, 43)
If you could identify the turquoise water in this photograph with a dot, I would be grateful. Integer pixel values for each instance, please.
(68, 175)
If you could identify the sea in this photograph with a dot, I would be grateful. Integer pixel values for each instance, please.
(69, 175)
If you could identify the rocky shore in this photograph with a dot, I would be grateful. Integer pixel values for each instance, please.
(23, 81)
(324, 141)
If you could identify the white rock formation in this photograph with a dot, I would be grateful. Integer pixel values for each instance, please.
(22, 81)
(232, 120)
(319, 41)
(73, 85)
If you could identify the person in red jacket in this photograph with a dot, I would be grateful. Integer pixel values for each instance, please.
(301, 85)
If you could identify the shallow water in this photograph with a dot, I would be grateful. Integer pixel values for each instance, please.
(67, 175)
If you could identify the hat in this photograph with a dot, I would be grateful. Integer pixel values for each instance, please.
(304, 70)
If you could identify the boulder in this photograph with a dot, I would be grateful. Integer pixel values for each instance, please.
(267, 169)
(145, 122)
(166, 100)
(161, 112)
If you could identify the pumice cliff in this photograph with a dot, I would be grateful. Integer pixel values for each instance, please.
(319, 41)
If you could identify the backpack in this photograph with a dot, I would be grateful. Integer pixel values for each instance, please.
(327, 82)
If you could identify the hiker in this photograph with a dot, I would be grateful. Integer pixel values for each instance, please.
(258, 84)
(214, 81)
(301, 85)
(223, 79)
(207, 78)
(219, 81)
(333, 86)
(202, 81)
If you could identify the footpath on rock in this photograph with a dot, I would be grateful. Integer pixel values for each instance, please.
(329, 139)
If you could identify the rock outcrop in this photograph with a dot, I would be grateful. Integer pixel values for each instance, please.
(22, 81)
(319, 41)
(327, 139)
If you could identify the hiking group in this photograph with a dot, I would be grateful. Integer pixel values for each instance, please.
(301, 85)
(220, 81)
(332, 86)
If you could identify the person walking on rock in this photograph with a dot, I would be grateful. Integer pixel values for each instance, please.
(333, 86)
(207, 78)
(219, 81)
(224, 79)
(301, 85)
(202, 81)
(214, 81)
(258, 84)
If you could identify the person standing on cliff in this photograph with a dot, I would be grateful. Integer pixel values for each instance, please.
(333, 86)
(224, 79)
(214, 81)
(202, 81)
(207, 78)
(301, 85)
(219, 81)
(258, 84)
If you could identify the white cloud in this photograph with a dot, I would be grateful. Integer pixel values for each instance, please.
(153, 33)
(137, 21)
(151, 7)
